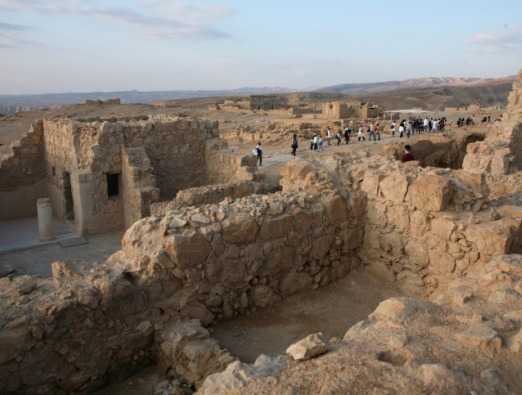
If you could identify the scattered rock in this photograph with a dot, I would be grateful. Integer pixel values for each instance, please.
(308, 348)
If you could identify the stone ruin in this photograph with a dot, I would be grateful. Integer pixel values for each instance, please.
(451, 238)
(103, 175)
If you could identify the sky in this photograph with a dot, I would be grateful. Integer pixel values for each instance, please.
(106, 45)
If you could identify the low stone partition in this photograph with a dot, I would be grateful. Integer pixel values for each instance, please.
(74, 332)
(209, 194)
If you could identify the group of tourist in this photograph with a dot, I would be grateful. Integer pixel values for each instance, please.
(409, 127)
(371, 131)
(461, 122)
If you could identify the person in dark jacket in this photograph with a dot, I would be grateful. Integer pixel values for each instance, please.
(295, 145)
(407, 156)
(259, 154)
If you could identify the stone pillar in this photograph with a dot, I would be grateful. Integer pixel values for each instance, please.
(45, 219)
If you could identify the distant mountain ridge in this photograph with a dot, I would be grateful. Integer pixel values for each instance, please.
(415, 83)
(12, 103)
(56, 99)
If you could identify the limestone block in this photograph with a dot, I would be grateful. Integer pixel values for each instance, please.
(240, 229)
(238, 374)
(403, 310)
(443, 226)
(189, 248)
(490, 238)
(417, 253)
(394, 187)
(186, 347)
(431, 192)
(308, 348)
(441, 262)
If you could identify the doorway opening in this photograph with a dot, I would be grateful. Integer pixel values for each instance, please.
(69, 202)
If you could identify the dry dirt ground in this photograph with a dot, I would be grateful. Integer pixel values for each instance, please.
(331, 310)
(270, 331)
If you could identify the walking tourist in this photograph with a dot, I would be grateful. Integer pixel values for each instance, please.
(295, 145)
(259, 154)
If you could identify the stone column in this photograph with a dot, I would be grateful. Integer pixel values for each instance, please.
(45, 219)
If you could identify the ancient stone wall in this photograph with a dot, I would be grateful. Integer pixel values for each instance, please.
(177, 152)
(501, 153)
(60, 160)
(138, 184)
(466, 340)
(208, 263)
(338, 110)
(88, 153)
(226, 167)
(22, 176)
(209, 194)
(425, 227)
(439, 150)
(267, 102)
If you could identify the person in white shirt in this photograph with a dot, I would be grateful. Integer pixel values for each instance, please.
(401, 131)
(360, 134)
(426, 125)
(329, 136)
(316, 142)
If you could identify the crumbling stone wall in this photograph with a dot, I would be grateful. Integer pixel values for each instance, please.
(439, 151)
(466, 340)
(425, 227)
(501, 153)
(176, 151)
(138, 184)
(22, 176)
(208, 263)
(267, 102)
(226, 167)
(208, 195)
(339, 110)
(60, 158)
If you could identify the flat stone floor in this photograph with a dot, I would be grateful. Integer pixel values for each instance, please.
(23, 233)
(37, 260)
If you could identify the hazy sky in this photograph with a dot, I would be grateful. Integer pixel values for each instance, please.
(89, 45)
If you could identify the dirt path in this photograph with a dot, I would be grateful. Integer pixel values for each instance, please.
(331, 310)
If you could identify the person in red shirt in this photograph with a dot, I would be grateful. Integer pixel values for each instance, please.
(407, 156)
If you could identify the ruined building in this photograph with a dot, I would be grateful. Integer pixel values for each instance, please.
(338, 110)
(343, 110)
(104, 175)
(268, 102)
(450, 237)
